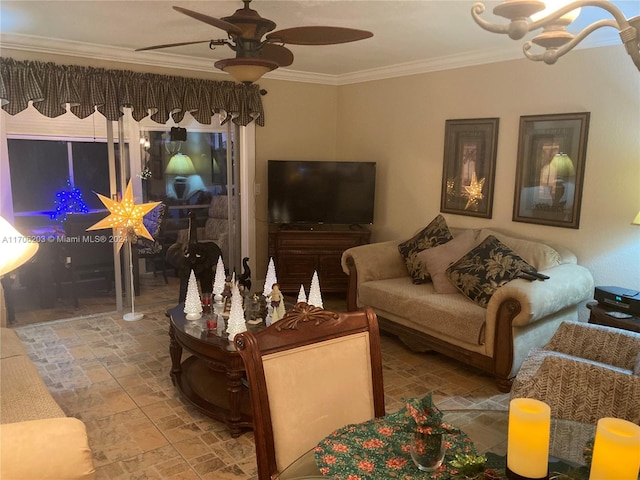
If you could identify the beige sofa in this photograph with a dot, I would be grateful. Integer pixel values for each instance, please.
(37, 440)
(519, 316)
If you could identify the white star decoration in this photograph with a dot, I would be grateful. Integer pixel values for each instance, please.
(125, 217)
(474, 191)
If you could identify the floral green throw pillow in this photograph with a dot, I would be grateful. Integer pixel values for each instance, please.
(486, 268)
(436, 233)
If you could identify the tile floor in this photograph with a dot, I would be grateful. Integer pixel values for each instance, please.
(114, 375)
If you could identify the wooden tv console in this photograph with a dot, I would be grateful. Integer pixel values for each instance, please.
(299, 250)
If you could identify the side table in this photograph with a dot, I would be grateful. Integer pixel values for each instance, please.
(599, 316)
(211, 378)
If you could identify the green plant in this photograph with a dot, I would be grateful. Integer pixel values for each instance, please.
(469, 466)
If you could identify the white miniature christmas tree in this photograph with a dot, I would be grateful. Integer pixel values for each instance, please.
(236, 323)
(315, 297)
(302, 297)
(218, 281)
(192, 302)
(271, 278)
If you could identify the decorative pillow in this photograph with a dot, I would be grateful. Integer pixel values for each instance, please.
(486, 268)
(438, 258)
(436, 233)
(538, 254)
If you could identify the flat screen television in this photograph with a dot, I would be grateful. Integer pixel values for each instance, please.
(314, 192)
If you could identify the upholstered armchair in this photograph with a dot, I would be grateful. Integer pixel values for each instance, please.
(585, 372)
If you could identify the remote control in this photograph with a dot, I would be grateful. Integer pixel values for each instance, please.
(538, 275)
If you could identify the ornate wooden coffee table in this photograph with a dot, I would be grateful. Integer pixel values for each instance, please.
(211, 378)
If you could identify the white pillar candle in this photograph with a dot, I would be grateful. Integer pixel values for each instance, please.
(616, 451)
(528, 437)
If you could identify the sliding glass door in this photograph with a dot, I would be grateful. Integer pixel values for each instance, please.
(55, 168)
(53, 177)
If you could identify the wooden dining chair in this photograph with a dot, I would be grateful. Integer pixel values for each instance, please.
(310, 373)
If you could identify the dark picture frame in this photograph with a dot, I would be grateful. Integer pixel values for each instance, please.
(550, 169)
(470, 150)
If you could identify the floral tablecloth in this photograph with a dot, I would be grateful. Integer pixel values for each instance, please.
(380, 448)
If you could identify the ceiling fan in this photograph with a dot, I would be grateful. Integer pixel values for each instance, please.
(256, 55)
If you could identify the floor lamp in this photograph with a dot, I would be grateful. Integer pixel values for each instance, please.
(17, 251)
(125, 219)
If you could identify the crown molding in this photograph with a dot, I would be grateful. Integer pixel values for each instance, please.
(51, 46)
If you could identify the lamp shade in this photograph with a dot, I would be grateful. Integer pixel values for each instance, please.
(16, 250)
(563, 166)
(636, 221)
(180, 164)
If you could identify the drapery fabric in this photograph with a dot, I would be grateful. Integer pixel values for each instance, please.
(51, 86)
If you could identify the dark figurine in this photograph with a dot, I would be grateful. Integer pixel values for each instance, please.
(201, 257)
(244, 280)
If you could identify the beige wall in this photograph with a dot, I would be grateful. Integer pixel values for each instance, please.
(300, 125)
(399, 123)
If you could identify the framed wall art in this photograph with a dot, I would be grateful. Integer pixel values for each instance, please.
(550, 169)
(469, 166)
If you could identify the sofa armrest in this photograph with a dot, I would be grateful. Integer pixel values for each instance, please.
(568, 285)
(48, 449)
(375, 261)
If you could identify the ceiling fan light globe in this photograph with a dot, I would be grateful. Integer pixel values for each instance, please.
(246, 70)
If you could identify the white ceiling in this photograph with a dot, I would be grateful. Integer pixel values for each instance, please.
(410, 36)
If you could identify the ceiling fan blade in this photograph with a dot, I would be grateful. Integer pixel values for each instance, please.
(167, 45)
(281, 55)
(230, 28)
(318, 35)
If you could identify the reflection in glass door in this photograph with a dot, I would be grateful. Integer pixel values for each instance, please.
(191, 173)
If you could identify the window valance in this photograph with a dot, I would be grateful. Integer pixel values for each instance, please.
(51, 86)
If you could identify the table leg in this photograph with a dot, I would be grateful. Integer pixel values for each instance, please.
(235, 389)
(175, 351)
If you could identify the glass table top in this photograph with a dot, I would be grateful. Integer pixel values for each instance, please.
(488, 431)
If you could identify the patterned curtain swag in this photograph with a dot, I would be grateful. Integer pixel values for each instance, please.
(50, 87)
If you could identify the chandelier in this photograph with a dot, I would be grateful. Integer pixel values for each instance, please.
(554, 37)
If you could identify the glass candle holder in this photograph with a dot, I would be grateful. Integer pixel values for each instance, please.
(212, 323)
(206, 303)
(427, 451)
